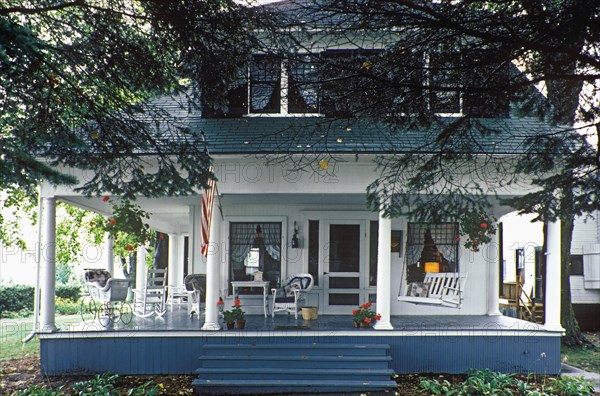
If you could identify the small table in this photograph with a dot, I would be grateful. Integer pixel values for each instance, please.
(263, 284)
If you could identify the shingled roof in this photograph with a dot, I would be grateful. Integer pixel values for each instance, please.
(279, 135)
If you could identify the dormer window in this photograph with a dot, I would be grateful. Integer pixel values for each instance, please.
(282, 86)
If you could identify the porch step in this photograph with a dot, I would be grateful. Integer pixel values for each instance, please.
(294, 368)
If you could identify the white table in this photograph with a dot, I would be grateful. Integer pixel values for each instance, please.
(263, 284)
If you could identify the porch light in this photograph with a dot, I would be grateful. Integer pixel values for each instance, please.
(432, 266)
(295, 242)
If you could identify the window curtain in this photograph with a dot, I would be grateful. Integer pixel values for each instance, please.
(272, 240)
(241, 239)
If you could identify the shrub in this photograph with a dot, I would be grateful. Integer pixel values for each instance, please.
(65, 306)
(16, 298)
(97, 386)
(70, 292)
(39, 391)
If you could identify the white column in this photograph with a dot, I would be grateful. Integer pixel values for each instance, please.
(553, 270)
(140, 269)
(48, 263)
(197, 261)
(109, 254)
(175, 267)
(384, 273)
(211, 318)
(492, 255)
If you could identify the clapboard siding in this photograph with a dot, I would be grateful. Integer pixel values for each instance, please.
(581, 295)
(524, 353)
(585, 232)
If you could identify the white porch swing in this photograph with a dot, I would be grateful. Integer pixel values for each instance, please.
(444, 289)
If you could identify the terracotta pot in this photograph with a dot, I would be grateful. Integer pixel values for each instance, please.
(241, 324)
(364, 325)
(356, 324)
(230, 325)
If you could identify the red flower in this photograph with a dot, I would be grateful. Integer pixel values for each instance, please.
(237, 303)
(105, 198)
(367, 320)
(129, 247)
(483, 225)
(377, 317)
(366, 305)
(113, 221)
(475, 241)
(354, 311)
(161, 235)
(457, 239)
(220, 302)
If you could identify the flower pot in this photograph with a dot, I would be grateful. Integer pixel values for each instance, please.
(356, 324)
(241, 324)
(310, 313)
(364, 325)
(230, 325)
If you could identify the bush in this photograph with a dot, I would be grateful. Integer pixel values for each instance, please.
(15, 298)
(65, 306)
(70, 292)
(486, 382)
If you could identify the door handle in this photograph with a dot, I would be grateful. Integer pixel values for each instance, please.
(325, 273)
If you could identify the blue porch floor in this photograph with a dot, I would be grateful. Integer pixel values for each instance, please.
(179, 320)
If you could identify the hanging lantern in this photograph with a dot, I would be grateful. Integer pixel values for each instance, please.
(432, 266)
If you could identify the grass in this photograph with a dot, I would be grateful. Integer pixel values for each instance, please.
(13, 331)
(586, 357)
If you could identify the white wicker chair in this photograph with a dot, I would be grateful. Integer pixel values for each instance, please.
(292, 295)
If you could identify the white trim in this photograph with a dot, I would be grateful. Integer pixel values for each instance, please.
(541, 332)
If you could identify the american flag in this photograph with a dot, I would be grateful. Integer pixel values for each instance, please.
(208, 201)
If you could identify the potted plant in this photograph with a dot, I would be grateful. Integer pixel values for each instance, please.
(364, 316)
(229, 318)
(238, 314)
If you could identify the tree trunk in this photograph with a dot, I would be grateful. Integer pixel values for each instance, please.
(573, 335)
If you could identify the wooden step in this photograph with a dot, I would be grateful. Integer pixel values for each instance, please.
(264, 386)
(362, 374)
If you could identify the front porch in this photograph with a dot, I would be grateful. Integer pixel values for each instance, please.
(172, 344)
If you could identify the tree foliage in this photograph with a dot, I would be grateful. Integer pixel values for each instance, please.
(75, 83)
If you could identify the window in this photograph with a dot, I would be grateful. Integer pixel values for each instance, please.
(443, 75)
(576, 264)
(431, 242)
(255, 247)
(313, 250)
(373, 250)
(265, 85)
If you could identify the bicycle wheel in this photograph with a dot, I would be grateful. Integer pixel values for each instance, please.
(125, 313)
(88, 310)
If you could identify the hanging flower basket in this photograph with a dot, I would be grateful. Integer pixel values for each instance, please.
(477, 229)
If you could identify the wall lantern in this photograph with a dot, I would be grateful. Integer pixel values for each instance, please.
(295, 241)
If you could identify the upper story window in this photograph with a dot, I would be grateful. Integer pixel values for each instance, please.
(280, 86)
(336, 81)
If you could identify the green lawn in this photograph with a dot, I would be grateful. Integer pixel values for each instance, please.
(13, 331)
(586, 357)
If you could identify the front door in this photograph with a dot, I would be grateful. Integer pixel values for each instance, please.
(343, 266)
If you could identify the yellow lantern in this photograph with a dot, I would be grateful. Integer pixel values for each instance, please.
(432, 266)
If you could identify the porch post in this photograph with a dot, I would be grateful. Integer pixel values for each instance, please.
(109, 248)
(48, 261)
(384, 272)
(492, 256)
(197, 266)
(140, 269)
(174, 267)
(211, 318)
(553, 270)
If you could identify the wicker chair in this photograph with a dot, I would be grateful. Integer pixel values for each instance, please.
(195, 286)
(291, 297)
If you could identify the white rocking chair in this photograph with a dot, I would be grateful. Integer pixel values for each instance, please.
(292, 295)
(438, 288)
(152, 299)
